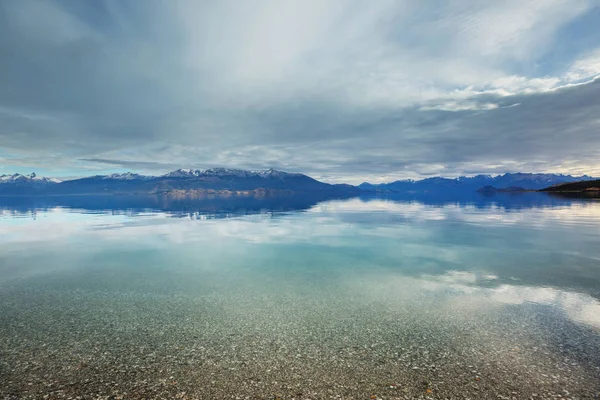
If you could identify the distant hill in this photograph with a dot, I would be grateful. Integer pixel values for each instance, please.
(581, 186)
(183, 182)
(526, 181)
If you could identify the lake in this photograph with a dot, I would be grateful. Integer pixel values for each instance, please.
(372, 298)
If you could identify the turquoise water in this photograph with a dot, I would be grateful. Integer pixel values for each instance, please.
(340, 299)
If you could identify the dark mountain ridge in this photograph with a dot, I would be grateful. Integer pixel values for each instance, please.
(580, 186)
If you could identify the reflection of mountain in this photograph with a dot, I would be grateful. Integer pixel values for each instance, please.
(507, 200)
(231, 205)
(222, 206)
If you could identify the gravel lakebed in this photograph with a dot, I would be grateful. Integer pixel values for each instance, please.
(60, 343)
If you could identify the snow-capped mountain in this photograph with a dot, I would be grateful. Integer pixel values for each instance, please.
(25, 179)
(273, 173)
(182, 181)
(127, 176)
(239, 181)
(18, 184)
(473, 183)
(183, 173)
(221, 172)
(225, 172)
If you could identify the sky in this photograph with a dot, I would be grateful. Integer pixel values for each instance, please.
(342, 90)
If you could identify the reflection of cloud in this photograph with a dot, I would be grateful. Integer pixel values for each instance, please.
(57, 224)
(337, 221)
(578, 307)
(419, 245)
(460, 277)
(575, 214)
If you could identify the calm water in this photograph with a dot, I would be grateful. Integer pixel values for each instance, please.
(338, 299)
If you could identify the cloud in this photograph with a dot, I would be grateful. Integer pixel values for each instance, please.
(137, 165)
(344, 90)
(587, 67)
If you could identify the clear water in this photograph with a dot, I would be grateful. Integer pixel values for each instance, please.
(339, 299)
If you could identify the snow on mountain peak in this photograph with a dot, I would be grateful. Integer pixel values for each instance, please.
(272, 173)
(126, 176)
(188, 173)
(182, 173)
(224, 171)
(31, 178)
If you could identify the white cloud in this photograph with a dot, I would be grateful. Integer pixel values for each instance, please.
(357, 52)
(461, 106)
(512, 29)
(586, 68)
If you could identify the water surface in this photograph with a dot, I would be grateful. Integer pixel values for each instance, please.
(495, 298)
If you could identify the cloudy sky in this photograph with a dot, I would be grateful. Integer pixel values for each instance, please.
(344, 90)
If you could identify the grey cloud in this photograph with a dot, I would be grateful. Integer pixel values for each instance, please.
(335, 91)
(136, 165)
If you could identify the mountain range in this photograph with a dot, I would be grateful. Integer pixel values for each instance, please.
(182, 182)
(223, 181)
(526, 181)
(31, 179)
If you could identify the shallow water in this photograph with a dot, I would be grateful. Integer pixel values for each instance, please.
(340, 299)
